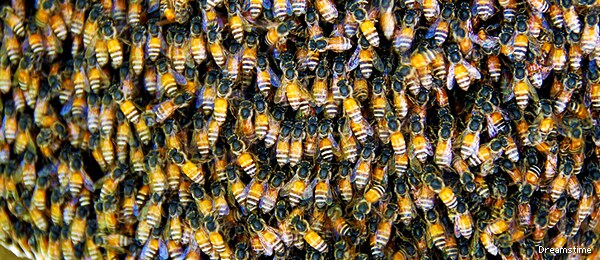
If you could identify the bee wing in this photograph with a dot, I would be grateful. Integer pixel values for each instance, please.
(309, 190)
(355, 169)
(336, 147)
(88, 183)
(450, 77)
(280, 94)
(153, 5)
(354, 61)
(367, 127)
(270, 194)
(377, 62)
(267, 4)
(532, 91)
(67, 106)
(473, 72)
(431, 31)
(275, 80)
(506, 87)
(98, 184)
(179, 78)
(288, 7)
(304, 93)
(163, 251)
(286, 188)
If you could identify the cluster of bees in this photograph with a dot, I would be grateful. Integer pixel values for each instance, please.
(291, 129)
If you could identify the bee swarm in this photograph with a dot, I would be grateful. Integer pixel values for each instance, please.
(322, 129)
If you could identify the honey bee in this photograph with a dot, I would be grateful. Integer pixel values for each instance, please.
(558, 55)
(439, 29)
(189, 168)
(268, 201)
(268, 237)
(311, 237)
(327, 9)
(296, 186)
(485, 9)
(14, 21)
(366, 58)
(443, 150)
(256, 188)
(463, 221)
(436, 230)
(471, 136)
(168, 107)
(366, 24)
(362, 171)
(459, 69)
(570, 16)
(235, 186)
(403, 36)
(215, 46)
(570, 84)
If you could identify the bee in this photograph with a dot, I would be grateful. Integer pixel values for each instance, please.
(471, 136)
(189, 168)
(366, 58)
(155, 42)
(296, 186)
(403, 37)
(435, 229)
(362, 171)
(366, 24)
(570, 16)
(297, 136)
(255, 7)
(485, 9)
(167, 108)
(215, 46)
(154, 245)
(245, 124)
(420, 146)
(283, 143)
(220, 107)
(443, 150)
(215, 237)
(459, 69)
(14, 21)
(439, 29)
(178, 41)
(311, 237)
(91, 25)
(265, 76)
(244, 159)
(79, 179)
(136, 54)
(268, 201)
(406, 206)
(322, 190)
(268, 236)
(558, 55)
(327, 9)
(256, 188)
(293, 92)
(570, 83)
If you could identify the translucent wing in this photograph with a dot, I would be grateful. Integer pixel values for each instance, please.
(354, 61)
(431, 31)
(473, 72)
(267, 4)
(67, 106)
(163, 252)
(280, 94)
(377, 62)
(275, 80)
(450, 79)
